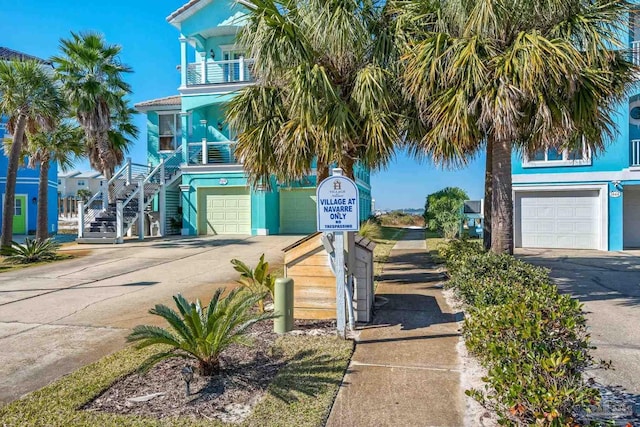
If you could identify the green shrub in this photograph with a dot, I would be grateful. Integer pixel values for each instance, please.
(256, 280)
(32, 251)
(532, 340)
(370, 230)
(200, 334)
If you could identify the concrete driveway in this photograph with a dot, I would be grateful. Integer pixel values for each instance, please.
(55, 318)
(608, 283)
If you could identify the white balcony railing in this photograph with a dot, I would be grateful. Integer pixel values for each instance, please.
(635, 152)
(218, 72)
(635, 52)
(209, 152)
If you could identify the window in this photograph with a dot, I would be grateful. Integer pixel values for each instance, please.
(559, 157)
(18, 208)
(81, 183)
(170, 130)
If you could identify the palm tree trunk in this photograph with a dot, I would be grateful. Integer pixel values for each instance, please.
(488, 185)
(322, 172)
(111, 193)
(42, 223)
(502, 199)
(8, 209)
(347, 167)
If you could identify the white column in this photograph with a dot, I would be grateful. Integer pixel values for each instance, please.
(141, 210)
(205, 156)
(241, 65)
(129, 172)
(183, 62)
(80, 219)
(203, 69)
(119, 222)
(163, 200)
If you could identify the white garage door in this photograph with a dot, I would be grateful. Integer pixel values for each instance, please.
(631, 216)
(225, 211)
(558, 219)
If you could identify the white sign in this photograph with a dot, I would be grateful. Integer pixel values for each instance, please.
(338, 205)
(614, 194)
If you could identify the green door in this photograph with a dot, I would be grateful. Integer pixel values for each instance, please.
(298, 211)
(20, 215)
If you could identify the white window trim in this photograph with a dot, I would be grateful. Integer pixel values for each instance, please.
(177, 116)
(585, 161)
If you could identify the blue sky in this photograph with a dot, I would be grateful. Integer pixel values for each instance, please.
(151, 47)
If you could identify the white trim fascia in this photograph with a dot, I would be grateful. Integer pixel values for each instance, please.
(232, 47)
(555, 163)
(603, 195)
(213, 89)
(629, 174)
(177, 20)
(212, 168)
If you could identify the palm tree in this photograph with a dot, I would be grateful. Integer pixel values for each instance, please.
(92, 79)
(62, 145)
(201, 333)
(323, 90)
(30, 99)
(523, 75)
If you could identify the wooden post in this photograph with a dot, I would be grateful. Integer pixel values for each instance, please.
(162, 203)
(141, 210)
(119, 222)
(340, 277)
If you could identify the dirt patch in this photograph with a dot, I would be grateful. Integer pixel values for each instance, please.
(228, 397)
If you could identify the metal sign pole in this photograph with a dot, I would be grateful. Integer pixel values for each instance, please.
(340, 285)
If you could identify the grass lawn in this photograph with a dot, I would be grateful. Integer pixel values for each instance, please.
(433, 243)
(384, 244)
(301, 394)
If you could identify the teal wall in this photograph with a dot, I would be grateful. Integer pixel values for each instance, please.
(153, 141)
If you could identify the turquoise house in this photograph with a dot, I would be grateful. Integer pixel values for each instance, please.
(212, 195)
(26, 201)
(576, 200)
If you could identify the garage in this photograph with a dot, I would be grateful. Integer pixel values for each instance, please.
(298, 211)
(224, 210)
(631, 217)
(558, 219)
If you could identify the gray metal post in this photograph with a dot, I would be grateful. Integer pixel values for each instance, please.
(340, 277)
(141, 210)
(162, 203)
(119, 222)
(80, 219)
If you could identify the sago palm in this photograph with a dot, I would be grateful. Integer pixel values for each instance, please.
(201, 333)
(511, 75)
(29, 98)
(62, 145)
(92, 79)
(323, 91)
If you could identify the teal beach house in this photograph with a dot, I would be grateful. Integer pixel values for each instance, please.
(575, 200)
(207, 191)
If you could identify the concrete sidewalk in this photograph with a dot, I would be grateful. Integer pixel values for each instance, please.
(405, 370)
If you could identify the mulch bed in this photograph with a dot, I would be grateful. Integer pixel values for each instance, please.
(228, 397)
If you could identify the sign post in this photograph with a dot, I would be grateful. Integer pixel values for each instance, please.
(338, 208)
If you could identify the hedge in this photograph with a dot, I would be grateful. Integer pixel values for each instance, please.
(532, 340)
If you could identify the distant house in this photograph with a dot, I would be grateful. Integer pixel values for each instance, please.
(69, 183)
(473, 212)
(24, 220)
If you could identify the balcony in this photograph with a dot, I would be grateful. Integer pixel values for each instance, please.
(219, 72)
(212, 153)
(635, 153)
(635, 52)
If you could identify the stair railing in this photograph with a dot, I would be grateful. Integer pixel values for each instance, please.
(88, 212)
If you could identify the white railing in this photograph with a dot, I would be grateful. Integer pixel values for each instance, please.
(216, 72)
(635, 52)
(212, 152)
(635, 152)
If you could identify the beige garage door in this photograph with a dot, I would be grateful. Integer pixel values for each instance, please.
(225, 211)
(298, 211)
